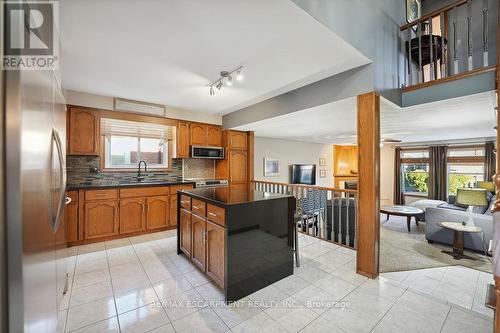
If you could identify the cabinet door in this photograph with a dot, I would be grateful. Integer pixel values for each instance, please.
(183, 140)
(237, 140)
(214, 136)
(101, 218)
(185, 232)
(132, 212)
(199, 226)
(198, 134)
(215, 253)
(238, 166)
(71, 215)
(157, 212)
(83, 132)
(173, 210)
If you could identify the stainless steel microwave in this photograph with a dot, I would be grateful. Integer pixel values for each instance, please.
(216, 153)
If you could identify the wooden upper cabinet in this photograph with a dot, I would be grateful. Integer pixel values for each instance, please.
(215, 249)
(185, 232)
(199, 226)
(214, 136)
(237, 166)
(83, 132)
(157, 212)
(132, 215)
(101, 218)
(198, 135)
(237, 140)
(183, 139)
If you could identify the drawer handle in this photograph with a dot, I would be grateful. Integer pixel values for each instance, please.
(196, 207)
(213, 214)
(182, 201)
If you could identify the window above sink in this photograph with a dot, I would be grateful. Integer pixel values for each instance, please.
(126, 143)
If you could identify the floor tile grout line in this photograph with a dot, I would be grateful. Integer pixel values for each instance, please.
(390, 308)
(113, 289)
(444, 321)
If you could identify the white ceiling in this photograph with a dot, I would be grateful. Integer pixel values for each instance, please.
(469, 117)
(167, 51)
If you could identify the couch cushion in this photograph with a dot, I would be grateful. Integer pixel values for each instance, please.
(492, 202)
(453, 207)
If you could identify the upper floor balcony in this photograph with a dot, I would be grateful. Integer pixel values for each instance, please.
(455, 41)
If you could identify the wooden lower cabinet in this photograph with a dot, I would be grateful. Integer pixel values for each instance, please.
(185, 232)
(132, 213)
(215, 245)
(198, 230)
(173, 210)
(202, 238)
(71, 216)
(157, 212)
(101, 219)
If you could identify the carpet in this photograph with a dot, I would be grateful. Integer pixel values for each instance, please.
(401, 250)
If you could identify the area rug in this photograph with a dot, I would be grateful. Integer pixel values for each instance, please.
(401, 250)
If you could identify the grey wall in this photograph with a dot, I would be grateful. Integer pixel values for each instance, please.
(351, 83)
(372, 27)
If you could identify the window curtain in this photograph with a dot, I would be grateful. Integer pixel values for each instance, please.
(490, 161)
(398, 191)
(437, 175)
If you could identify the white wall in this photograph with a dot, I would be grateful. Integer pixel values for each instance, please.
(106, 102)
(387, 175)
(292, 152)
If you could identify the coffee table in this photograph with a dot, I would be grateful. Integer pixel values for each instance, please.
(458, 238)
(406, 211)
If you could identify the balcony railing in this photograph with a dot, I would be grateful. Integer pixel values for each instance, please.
(452, 41)
(324, 212)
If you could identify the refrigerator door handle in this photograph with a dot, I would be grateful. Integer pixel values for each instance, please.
(62, 180)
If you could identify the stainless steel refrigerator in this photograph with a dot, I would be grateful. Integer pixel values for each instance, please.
(35, 181)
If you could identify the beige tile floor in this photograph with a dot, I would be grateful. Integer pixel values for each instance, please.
(140, 284)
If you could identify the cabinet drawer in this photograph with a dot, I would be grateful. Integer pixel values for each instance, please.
(101, 194)
(175, 188)
(199, 207)
(144, 191)
(216, 214)
(185, 202)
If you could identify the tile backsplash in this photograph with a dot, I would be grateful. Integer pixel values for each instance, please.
(78, 171)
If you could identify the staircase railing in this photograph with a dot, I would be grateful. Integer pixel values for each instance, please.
(327, 213)
(452, 41)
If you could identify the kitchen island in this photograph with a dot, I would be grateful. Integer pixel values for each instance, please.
(242, 239)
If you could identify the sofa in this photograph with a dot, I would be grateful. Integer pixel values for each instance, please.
(451, 212)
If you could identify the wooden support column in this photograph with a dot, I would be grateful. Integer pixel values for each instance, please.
(368, 212)
(250, 168)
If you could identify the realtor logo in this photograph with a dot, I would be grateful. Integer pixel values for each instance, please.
(31, 41)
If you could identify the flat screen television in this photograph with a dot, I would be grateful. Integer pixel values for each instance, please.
(304, 174)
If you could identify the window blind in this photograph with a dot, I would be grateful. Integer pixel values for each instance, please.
(111, 126)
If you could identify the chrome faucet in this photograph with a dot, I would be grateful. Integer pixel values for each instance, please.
(139, 169)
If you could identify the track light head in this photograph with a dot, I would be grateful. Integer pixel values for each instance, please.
(229, 81)
(219, 85)
(212, 92)
(239, 75)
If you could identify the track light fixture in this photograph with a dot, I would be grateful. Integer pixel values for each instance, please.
(227, 77)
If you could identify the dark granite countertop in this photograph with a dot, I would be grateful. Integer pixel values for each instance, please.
(111, 184)
(231, 196)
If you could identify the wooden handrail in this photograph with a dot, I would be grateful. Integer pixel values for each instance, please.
(314, 187)
(433, 13)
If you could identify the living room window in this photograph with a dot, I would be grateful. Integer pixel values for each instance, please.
(466, 166)
(415, 171)
(128, 142)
